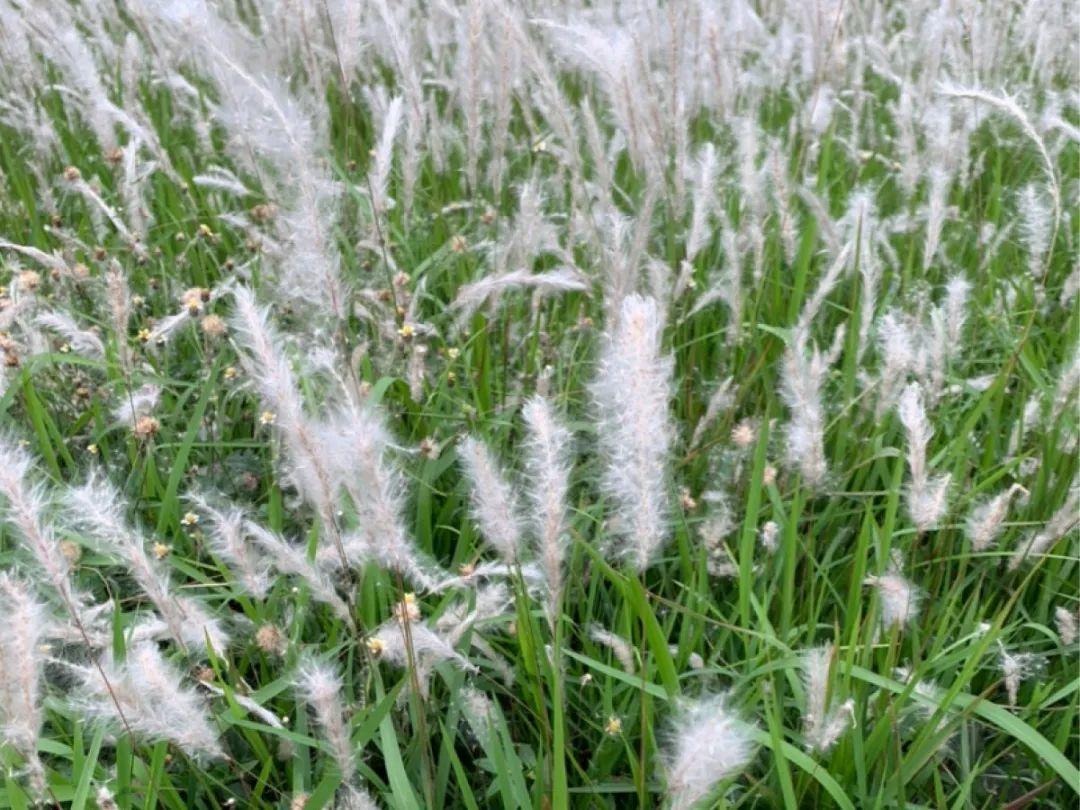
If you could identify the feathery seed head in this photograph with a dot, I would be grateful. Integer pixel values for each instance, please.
(1066, 622)
(822, 725)
(1016, 668)
(547, 475)
(985, 522)
(319, 685)
(635, 432)
(708, 743)
(494, 502)
(927, 496)
(900, 600)
(145, 694)
(22, 659)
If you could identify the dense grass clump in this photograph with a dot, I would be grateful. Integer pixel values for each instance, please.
(480, 404)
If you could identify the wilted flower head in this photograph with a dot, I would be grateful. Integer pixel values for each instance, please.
(213, 326)
(271, 640)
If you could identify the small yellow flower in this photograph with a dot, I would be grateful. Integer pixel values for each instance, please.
(376, 646)
(407, 610)
(586, 679)
(92, 449)
(453, 352)
(613, 726)
(189, 519)
(406, 331)
(194, 298)
(267, 418)
(231, 373)
(161, 551)
(144, 335)
(65, 348)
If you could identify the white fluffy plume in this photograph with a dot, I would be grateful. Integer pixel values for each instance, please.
(25, 506)
(494, 502)
(144, 694)
(927, 495)
(631, 391)
(21, 668)
(823, 724)
(900, 599)
(82, 341)
(709, 743)
(547, 466)
(319, 686)
(98, 509)
(986, 520)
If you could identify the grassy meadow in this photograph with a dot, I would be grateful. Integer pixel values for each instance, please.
(475, 404)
